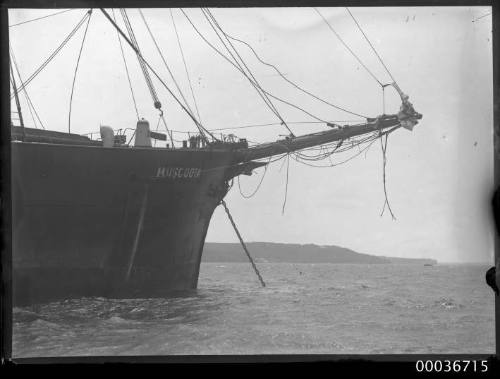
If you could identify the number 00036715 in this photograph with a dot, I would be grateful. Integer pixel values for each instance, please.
(449, 366)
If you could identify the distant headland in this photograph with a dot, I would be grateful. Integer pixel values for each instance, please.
(295, 253)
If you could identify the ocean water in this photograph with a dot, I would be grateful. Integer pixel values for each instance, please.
(304, 309)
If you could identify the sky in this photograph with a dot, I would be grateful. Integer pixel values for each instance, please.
(439, 176)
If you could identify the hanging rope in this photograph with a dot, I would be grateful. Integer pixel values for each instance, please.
(291, 82)
(126, 68)
(254, 82)
(215, 26)
(258, 185)
(239, 69)
(373, 48)
(243, 243)
(76, 70)
(384, 160)
(286, 185)
(54, 53)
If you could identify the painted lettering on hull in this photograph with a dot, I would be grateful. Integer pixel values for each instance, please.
(178, 172)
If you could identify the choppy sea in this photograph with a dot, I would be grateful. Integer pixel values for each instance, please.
(304, 309)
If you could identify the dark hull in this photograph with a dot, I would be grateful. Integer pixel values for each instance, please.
(94, 221)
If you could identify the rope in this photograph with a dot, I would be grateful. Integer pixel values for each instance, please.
(54, 53)
(175, 82)
(383, 99)
(239, 69)
(277, 123)
(165, 62)
(185, 65)
(384, 160)
(215, 26)
(151, 68)
(253, 81)
(40, 18)
(126, 68)
(347, 47)
(243, 243)
(29, 108)
(373, 48)
(258, 186)
(28, 99)
(291, 82)
(76, 70)
(157, 126)
(286, 186)
(144, 69)
(18, 105)
(169, 132)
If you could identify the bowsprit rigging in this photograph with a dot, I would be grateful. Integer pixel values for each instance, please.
(146, 209)
(407, 117)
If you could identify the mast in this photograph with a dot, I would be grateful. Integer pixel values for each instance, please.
(18, 104)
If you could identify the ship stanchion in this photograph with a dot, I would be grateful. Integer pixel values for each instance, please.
(243, 243)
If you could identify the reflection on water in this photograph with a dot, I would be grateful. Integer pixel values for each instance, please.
(305, 308)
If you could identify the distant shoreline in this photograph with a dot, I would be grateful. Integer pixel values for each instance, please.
(268, 252)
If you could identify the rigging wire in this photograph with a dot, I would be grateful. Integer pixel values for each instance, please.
(277, 124)
(373, 48)
(235, 66)
(76, 70)
(200, 128)
(165, 62)
(291, 82)
(40, 18)
(253, 81)
(28, 99)
(29, 107)
(18, 105)
(211, 20)
(144, 69)
(384, 143)
(185, 65)
(126, 68)
(54, 53)
(347, 47)
(193, 118)
(147, 77)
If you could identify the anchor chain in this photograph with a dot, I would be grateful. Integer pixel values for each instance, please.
(243, 243)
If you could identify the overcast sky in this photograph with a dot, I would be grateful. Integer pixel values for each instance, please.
(439, 176)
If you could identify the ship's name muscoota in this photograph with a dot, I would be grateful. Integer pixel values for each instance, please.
(178, 172)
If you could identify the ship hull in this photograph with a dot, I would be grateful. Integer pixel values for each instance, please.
(120, 222)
